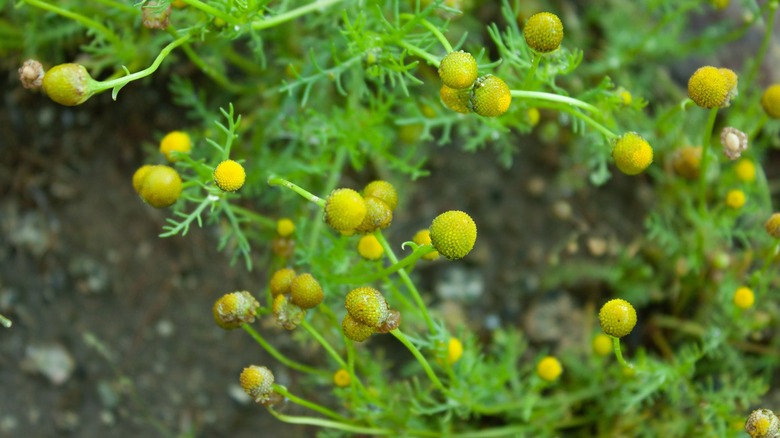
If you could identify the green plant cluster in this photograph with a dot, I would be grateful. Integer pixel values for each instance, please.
(297, 93)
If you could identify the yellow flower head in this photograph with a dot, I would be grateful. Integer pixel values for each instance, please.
(543, 32)
(744, 297)
(234, 309)
(287, 314)
(345, 209)
(285, 227)
(490, 96)
(382, 190)
(456, 100)
(617, 317)
(257, 382)
(745, 170)
(458, 70)
(549, 368)
(160, 186)
(453, 234)
(711, 87)
(423, 237)
(367, 306)
(281, 281)
(378, 215)
(355, 330)
(175, 141)
(68, 84)
(341, 378)
(369, 247)
(602, 344)
(735, 199)
(762, 423)
(770, 101)
(306, 291)
(454, 350)
(772, 225)
(632, 153)
(139, 175)
(229, 176)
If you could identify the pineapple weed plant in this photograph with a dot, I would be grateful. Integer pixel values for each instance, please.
(308, 90)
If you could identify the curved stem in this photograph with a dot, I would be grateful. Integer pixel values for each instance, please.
(406, 280)
(118, 83)
(290, 15)
(325, 344)
(420, 358)
(311, 405)
(433, 60)
(540, 95)
(319, 422)
(606, 132)
(406, 261)
(529, 76)
(433, 29)
(619, 353)
(87, 22)
(257, 217)
(705, 160)
(277, 181)
(279, 356)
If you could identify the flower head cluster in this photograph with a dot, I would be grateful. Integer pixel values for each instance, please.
(463, 91)
(348, 211)
(367, 313)
(293, 294)
(712, 87)
(257, 382)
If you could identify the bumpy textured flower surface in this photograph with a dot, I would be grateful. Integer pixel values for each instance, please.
(458, 70)
(367, 306)
(378, 216)
(770, 101)
(632, 153)
(355, 330)
(345, 209)
(772, 225)
(229, 176)
(281, 281)
(453, 234)
(456, 100)
(234, 309)
(306, 291)
(709, 88)
(543, 32)
(382, 190)
(257, 382)
(762, 423)
(617, 317)
(490, 96)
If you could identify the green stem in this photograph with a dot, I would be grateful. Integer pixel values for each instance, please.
(408, 260)
(759, 58)
(319, 422)
(277, 181)
(209, 70)
(311, 405)
(406, 280)
(212, 11)
(106, 32)
(433, 60)
(433, 29)
(606, 132)
(279, 356)
(420, 358)
(619, 353)
(257, 217)
(118, 83)
(529, 76)
(705, 160)
(540, 95)
(325, 344)
(293, 14)
(5, 322)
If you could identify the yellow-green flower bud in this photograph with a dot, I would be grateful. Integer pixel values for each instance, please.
(382, 190)
(543, 32)
(69, 84)
(281, 281)
(306, 292)
(345, 209)
(367, 306)
(354, 330)
(458, 70)
(617, 317)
